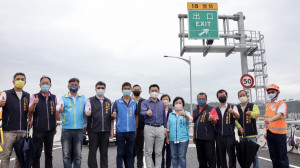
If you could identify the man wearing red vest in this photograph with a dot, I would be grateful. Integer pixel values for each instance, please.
(276, 128)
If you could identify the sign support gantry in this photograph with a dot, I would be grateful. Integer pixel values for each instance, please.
(249, 43)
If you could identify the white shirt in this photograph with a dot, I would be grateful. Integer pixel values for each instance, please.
(3, 95)
(88, 103)
(281, 108)
(19, 94)
(61, 101)
(223, 109)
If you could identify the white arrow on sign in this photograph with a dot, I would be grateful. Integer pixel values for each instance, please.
(205, 31)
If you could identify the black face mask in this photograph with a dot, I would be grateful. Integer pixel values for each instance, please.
(136, 93)
(222, 99)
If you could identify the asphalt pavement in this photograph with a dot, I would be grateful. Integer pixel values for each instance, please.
(192, 162)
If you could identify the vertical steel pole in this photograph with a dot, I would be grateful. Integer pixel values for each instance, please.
(244, 61)
(225, 32)
(241, 30)
(191, 106)
(180, 31)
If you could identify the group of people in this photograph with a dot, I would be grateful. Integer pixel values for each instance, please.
(144, 127)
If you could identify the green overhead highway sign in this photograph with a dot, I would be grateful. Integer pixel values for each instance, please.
(203, 22)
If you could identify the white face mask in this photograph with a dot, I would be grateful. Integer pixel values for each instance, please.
(166, 102)
(100, 92)
(154, 94)
(178, 107)
(243, 99)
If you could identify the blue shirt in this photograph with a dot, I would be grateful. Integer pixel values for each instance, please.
(126, 113)
(158, 112)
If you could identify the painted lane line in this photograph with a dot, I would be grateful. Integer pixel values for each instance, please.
(271, 161)
(12, 159)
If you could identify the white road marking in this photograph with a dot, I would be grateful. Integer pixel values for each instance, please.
(12, 159)
(266, 159)
(190, 145)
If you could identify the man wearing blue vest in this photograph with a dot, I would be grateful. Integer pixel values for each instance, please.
(43, 108)
(99, 126)
(224, 131)
(71, 107)
(14, 103)
(126, 114)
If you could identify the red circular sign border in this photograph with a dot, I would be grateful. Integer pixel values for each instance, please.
(241, 80)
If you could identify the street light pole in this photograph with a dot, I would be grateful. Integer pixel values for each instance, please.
(190, 63)
(191, 105)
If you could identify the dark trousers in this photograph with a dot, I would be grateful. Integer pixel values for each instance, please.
(166, 149)
(206, 153)
(277, 150)
(225, 144)
(139, 142)
(125, 145)
(98, 140)
(45, 139)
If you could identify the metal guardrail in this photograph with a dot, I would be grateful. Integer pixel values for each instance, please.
(260, 124)
(296, 122)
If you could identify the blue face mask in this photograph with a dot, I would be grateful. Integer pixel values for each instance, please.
(272, 95)
(201, 102)
(45, 88)
(126, 92)
(73, 89)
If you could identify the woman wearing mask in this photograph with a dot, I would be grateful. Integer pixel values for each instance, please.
(178, 133)
(166, 148)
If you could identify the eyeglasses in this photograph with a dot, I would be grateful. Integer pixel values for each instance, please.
(100, 87)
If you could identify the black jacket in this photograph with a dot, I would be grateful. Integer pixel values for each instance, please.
(14, 115)
(100, 118)
(44, 116)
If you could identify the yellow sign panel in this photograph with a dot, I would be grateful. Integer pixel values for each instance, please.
(202, 6)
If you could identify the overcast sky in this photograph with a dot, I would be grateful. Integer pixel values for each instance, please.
(125, 40)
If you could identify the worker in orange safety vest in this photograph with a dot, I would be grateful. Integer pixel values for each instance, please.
(275, 120)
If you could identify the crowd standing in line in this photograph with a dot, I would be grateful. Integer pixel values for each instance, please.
(143, 126)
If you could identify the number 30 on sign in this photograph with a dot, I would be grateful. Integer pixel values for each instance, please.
(247, 81)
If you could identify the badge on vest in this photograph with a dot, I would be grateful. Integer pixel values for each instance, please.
(107, 108)
(228, 118)
(25, 104)
(52, 107)
(248, 119)
(131, 110)
(203, 117)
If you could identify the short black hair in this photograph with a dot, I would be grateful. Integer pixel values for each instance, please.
(202, 93)
(73, 80)
(242, 91)
(126, 84)
(100, 83)
(165, 95)
(136, 85)
(178, 98)
(45, 77)
(19, 73)
(153, 85)
(221, 91)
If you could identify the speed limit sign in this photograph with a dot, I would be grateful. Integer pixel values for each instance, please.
(247, 81)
